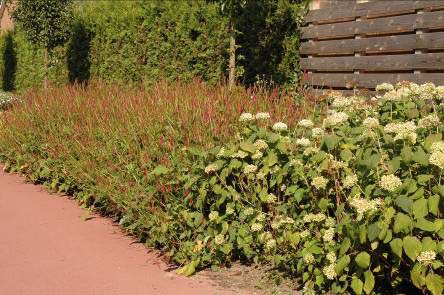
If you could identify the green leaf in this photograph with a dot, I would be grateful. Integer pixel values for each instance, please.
(160, 170)
(420, 157)
(369, 282)
(420, 208)
(412, 247)
(271, 159)
(357, 285)
(402, 223)
(433, 203)
(404, 203)
(342, 263)
(363, 260)
(345, 245)
(417, 275)
(373, 231)
(396, 246)
(423, 179)
(247, 146)
(425, 225)
(435, 284)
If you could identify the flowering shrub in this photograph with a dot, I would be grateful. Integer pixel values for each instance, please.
(5, 100)
(352, 205)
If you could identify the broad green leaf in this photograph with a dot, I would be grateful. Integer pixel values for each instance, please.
(412, 247)
(160, 170)
(373, 231)
(420, 157)
(402, 223)
(424, 179)
(420, 208)
(428, 244)
(345, 245)
(425, 225)
(435, 284)
(247, 146)
(433, 203)
(369, 282)
(417, 275)
(404, 203)
(342, 263)
(396, 246)
(363, 260)
(357, 285)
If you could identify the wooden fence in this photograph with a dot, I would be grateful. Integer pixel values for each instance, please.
(349, 45)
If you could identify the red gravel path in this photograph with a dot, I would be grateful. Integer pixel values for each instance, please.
(47, 249)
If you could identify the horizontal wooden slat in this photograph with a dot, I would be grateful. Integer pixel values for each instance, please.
(396, 24)
(345, 10)
(369, 80)
(359, 92)
(432, 41)
(404, 62)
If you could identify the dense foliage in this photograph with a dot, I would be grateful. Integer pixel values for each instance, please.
(141, 41)
(349, 199)
(44, 22)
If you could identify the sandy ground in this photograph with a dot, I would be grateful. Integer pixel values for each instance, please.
(46, 248)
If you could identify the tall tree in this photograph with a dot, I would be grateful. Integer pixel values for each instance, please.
(232, 8)
(46, 23)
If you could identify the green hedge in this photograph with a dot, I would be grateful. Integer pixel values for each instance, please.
(134, 42)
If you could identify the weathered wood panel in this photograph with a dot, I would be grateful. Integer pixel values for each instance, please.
(339, 12)
(369, 80)
(430, 61)
(378, 26)
(386, 44)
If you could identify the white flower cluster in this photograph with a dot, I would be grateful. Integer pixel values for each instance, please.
(219, 239)
(319, 182)
(329, 271)
(362, 205)
(330, 222)
(329, 234)
(211, 168)
(255, 227)
(317, 132)
(310, 217)
(303, 142)
(350, 180)
(262, 116)
(271, 198)
(280, 220)
(295, 162)
(260, 144)
(426, 256)
(257, 155)
(250, 169)
(370, 123)
(335, 118)
(338, 164)
(270, 244)
(404, 130)
(342, 102)
(279, 126)
(221, 153)
(310, 150)
(249, 211)
(331, 256)
(240, 154)
(430, 121)
(305, 123)
(437, 159)
(260, 217)
(309, 258)
(427, 91)
(304, 234)
(384, 87)
(246, 117)
(437, 147)
(390, 182)
(229, 211)
(213, 215)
